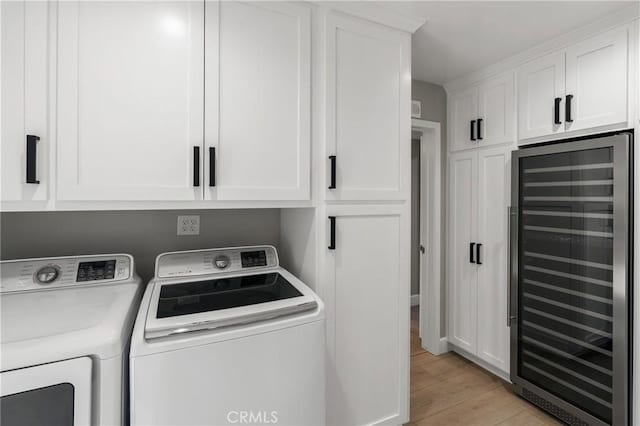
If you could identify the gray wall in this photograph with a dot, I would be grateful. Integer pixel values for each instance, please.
(143, 234)
(415, 216)
(434, 108)
(434, 102)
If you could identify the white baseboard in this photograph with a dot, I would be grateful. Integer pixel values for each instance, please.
(444, 345)
(490, 368)
(415, 299)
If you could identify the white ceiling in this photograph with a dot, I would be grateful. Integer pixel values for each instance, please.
(462, 36)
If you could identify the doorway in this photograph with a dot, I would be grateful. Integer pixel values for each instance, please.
(426, 229)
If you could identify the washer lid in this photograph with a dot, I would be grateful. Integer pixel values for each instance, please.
(222, 301)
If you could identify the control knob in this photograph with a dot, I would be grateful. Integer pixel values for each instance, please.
(221, 261)
(47, 274)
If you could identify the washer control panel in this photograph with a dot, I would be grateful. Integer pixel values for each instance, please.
(38, 274)
(204, 262)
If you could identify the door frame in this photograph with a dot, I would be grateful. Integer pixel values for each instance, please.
(430, 234)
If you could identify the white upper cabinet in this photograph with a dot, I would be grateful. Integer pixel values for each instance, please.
(463, 111)
(25, 148)
(130, 100)
(368, 117)
(582, 87)
(496, 110)
(483, 114)
(257, 101)
(541, 89)
(597, 80)
(462, 270)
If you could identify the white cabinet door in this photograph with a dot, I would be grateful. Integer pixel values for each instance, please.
(368, 118)
(130, 100)
(496, 110)
(367, 295)
(25, 97)
(597, 80)
(463, 111)
(258, 105)
(493, 195)
(462, 270)
(540, 83)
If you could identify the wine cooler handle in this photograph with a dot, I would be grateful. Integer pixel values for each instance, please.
(511, 211)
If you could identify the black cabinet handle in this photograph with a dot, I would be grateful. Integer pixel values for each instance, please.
(196, 166)
(556, 111)
(478, 261)
(480, 129)
(332, 233)
(32, 158)
(472, 129)
(212, 166)
(567, 109)
(471, 246)
(332, 185)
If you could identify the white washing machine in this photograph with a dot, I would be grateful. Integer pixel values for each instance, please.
(227, 336)
(65, 327)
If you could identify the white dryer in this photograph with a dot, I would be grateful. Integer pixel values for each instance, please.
(227, 336)
(65, 327)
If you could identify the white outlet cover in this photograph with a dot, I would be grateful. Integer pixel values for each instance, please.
(188, 225)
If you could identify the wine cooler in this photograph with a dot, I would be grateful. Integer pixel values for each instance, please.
(570, 281)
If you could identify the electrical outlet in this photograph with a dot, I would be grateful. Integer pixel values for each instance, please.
(188, 225)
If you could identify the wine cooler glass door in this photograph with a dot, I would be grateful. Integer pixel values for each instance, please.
(572, 244)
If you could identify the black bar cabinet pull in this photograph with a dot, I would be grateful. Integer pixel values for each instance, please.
(478, 261)
(332, 185)
(471, 246)
(332, 233)
(212, 166)
(196, 166)
(32, 159)
(567, 109)
(479, 129)
(556, 110)
(472, 129)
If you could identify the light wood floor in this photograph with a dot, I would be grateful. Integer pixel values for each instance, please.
(449, 390)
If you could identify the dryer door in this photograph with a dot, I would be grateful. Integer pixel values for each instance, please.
(58, 393)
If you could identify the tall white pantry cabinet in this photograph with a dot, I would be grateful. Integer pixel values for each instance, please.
(365, 224)
(481, 138)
